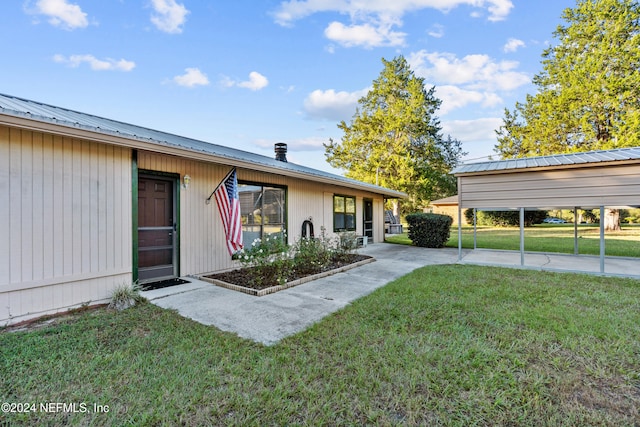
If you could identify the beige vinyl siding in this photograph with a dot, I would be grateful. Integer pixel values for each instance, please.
(583, 187)
(69, 221)
(202, 248)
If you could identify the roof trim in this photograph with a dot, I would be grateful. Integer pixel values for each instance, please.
(31, 115)
(558, 161)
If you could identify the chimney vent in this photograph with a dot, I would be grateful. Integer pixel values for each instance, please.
(281, 151)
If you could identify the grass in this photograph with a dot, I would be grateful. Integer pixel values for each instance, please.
(544, 238)
(444, 345)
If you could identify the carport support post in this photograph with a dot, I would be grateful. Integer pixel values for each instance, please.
(602, 250)
(575, 231)
(475, 229)
(521, 236)
(459, 228)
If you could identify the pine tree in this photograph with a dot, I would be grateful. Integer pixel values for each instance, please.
(394, 138)
(588, 94)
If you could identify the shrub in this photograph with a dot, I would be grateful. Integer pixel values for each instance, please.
(505, 218)
(429, 230)
(125, 296)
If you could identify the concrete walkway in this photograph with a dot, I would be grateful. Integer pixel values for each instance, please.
(270, 318)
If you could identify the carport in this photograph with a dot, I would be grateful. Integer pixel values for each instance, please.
(590, 180)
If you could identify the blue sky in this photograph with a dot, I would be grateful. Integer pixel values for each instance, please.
(248, 74)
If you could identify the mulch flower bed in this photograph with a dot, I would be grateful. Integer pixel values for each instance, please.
(242, 280)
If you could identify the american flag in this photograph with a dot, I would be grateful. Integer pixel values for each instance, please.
(229, 208)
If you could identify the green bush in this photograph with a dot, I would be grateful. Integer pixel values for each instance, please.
(505, 218)
(429, 230)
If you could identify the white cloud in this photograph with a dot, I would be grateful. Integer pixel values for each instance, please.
(292, 10)
(62, 14)
(454, 97)
(366, 35)
(478, 72)
(512, 45)
(436, 31)
(191, 78)
(96, 64)
(256, 82)
(472, 130)
(332, 105)
(168, 15)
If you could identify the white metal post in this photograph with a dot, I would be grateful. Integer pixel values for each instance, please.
(575, 231)
(521, 236)
(602, 248)
(459, 231)
(475, 229)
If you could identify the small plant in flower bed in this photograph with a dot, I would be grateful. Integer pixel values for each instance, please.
(268, 260)
(312, 255)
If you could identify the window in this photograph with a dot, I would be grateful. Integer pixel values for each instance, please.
(263, 211)
(344, 213)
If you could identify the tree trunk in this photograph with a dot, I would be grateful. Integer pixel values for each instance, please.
(611, 220)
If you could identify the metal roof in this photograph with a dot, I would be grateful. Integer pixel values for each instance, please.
(24, 108)
(558, 160)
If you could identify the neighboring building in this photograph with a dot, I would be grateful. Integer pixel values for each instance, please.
(91, 203)
(446, 206)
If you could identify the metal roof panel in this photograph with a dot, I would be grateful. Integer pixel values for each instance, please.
(618, 154)
(19, 107)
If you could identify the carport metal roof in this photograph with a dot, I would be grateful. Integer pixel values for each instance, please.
(571, 159)
(605, 178)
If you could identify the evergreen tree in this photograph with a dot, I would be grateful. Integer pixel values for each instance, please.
(588, 91)
(394, 139)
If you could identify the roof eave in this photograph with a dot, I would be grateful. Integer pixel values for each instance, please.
(62, 129)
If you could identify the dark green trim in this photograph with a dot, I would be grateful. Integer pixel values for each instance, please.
(177, 208)
(177, 188)
(134, 215)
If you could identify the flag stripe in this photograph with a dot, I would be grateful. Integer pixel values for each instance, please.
(229, 207)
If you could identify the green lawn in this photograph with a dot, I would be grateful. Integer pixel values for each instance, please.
(545, 238)
(445, 345)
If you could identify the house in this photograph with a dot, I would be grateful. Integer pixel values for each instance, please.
(91, 203)
(446, 206)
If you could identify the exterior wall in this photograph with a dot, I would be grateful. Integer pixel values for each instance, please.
(66, 206)
(610, 186)
(451, 210)
(202, 248)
